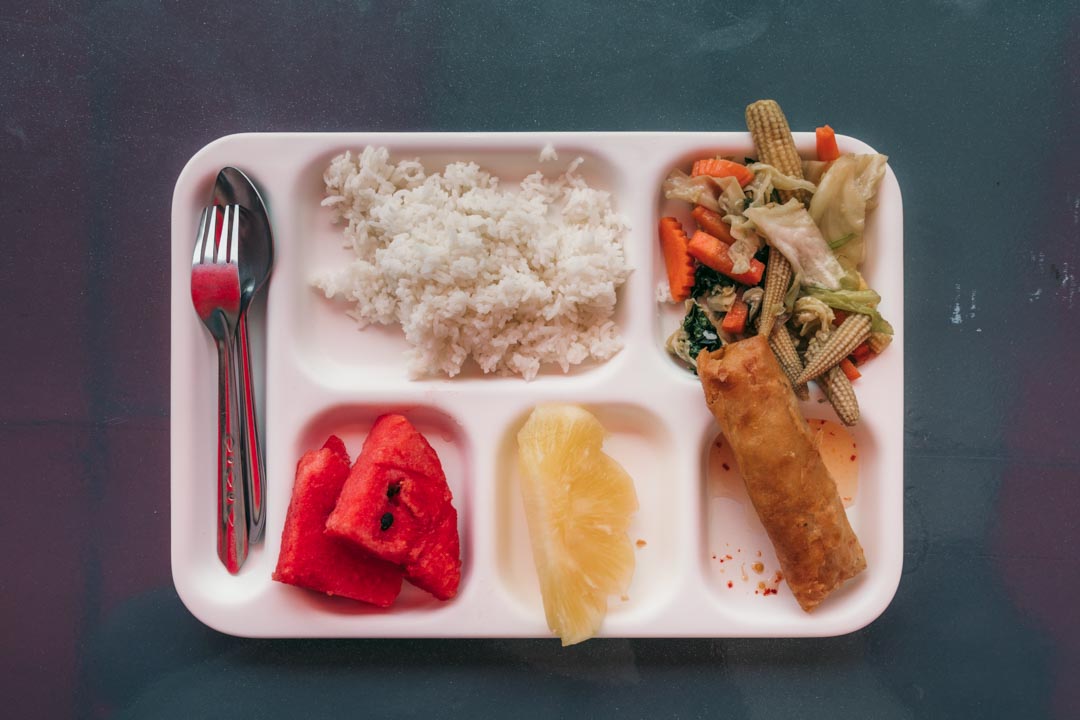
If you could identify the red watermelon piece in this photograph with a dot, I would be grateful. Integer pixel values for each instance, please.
(397, 506)
(309, 557)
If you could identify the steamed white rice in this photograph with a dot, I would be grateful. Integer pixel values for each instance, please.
(514, 279)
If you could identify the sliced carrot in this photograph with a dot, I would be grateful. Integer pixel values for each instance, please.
(849, 369)
(862, 353)
(712, 223)
(826, 144)
(735, 320)
(718, 167)
(679, 264)
(709, 251)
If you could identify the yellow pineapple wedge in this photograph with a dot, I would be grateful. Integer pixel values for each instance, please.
(578, 504)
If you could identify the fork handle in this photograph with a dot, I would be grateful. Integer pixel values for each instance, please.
(232, 545)
(250, 443)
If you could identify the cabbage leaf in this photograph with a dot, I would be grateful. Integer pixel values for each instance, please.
(856, 301)
(846, 193)
(790, 229)
(722, 195)
(813, 316)
(700, 190)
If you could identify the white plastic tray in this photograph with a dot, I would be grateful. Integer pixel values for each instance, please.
(324, 376)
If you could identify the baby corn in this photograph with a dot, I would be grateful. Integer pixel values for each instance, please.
(841, 342)
(783, 348)
(777, 280)
(837, 388)
(774, 143)
(879, 341)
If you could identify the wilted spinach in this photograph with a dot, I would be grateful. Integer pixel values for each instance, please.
(706, 280)
(700, 333)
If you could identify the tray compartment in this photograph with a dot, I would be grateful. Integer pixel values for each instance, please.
(733, 539)
(329, 344)
(738, 561)
(352, 422)
(643, 445)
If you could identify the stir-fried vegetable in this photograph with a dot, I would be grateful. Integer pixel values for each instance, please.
(709, 251)
(753, 297)
(856, 301)
(721, 195)
(713, 223)
(701, 334)
(770, 182)
(735, 318)
(680, 266)
(826, 144)
(783, 346)
(846, 193)
(879, 341)
(708, 281)
(774, 143)
(850, 370)
(840, 343)
(837, 388)
(777, 250)
(777, 280)
(718, 168)
(790, 229)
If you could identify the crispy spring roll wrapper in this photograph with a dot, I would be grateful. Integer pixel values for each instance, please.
(785, 477)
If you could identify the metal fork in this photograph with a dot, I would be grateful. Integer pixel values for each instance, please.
(215, 292)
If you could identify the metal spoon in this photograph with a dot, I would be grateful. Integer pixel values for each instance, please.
(256, 262)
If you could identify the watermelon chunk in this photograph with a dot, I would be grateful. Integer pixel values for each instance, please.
(397, 506)
(311, 559)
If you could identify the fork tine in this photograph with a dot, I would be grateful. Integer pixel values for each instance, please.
(231, 255)
(200, 237)
(223, 234)
(210, 239)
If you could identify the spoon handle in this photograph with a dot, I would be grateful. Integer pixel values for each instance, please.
(250, 442)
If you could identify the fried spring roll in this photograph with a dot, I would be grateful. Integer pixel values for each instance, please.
(785, 477)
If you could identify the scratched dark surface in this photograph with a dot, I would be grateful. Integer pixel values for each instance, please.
(978, 105)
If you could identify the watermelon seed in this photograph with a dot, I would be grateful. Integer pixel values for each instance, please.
(386, 521)
(392, 490)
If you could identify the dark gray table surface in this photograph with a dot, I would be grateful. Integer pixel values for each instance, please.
(978, 105)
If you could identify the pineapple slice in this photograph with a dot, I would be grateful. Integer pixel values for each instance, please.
(578, 504)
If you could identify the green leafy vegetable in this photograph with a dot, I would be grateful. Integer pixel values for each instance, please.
(846, 193)
(707, 280)
(790, 230)
(857, 301)
(700, 333)
(841, 242)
